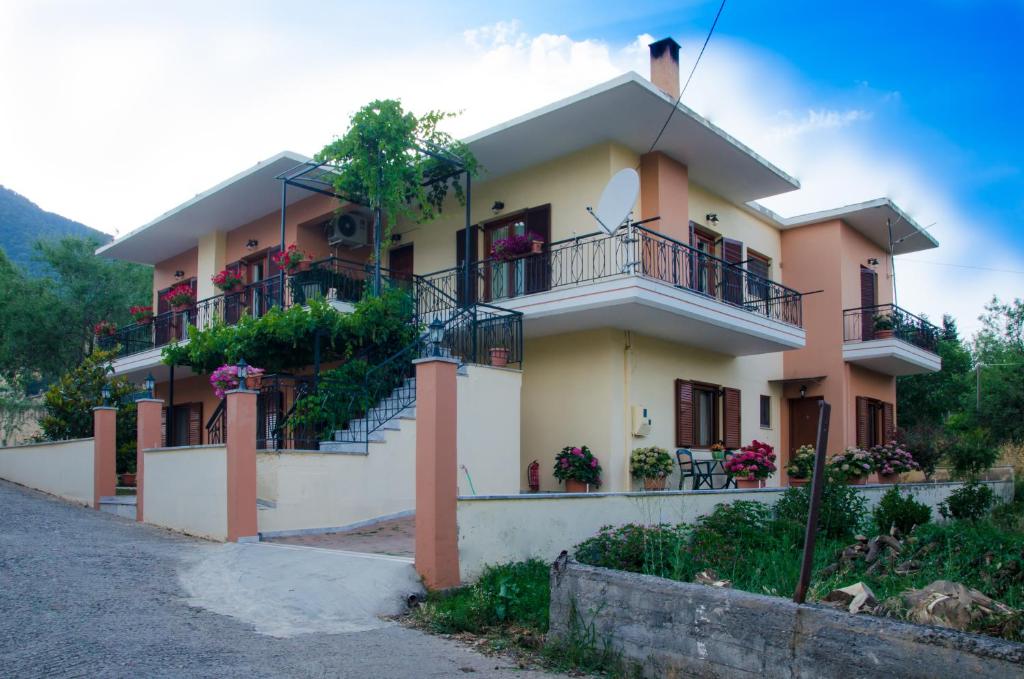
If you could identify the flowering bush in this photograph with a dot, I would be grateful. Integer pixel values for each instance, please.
(650, 463)
(513, 246)
(180, 295)
(577, 463)
(753, 461)
(104, 329)
(227, 279)
(141, 314)
(852, 463)
(802, 464)
(290, 258)
(892, 458)
(225, 378)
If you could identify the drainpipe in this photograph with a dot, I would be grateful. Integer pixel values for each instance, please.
(284, 209)
(169, 425)
(627, 385)
(467, 259)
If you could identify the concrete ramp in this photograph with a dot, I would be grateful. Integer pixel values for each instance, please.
(285, 590)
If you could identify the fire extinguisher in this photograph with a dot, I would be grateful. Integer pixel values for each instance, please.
(533, 476)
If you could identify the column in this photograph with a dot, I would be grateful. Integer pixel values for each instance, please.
(104, 458)
(241, 462)
(149, 436)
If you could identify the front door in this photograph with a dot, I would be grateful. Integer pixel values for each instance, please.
(803, 422)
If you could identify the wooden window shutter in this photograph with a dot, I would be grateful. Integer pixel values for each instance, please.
(474, 249)
(684, 413)
(732, 278)
(732, 435)
(868, 284)
(195, 424)
(538, 267)
(863, 428)
(163, 427)
(888, 422)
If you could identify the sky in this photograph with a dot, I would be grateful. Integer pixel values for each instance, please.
(114, 112)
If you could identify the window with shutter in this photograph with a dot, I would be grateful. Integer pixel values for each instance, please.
(537, 276)
(732, 276)
(195, 424)
(460, 255)
(766, 411)
(868, 285)
(163, 427)
(888, 422)
(684, 413)
(863, 426)
(731, 432)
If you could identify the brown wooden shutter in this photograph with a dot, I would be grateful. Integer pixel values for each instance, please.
(732, 278)
(163, 427)
(888, 422)
(195, 424)
(474, 247)
(868, 281)
(538, 267)
(863, 428)
(684, 413)
(731, 433)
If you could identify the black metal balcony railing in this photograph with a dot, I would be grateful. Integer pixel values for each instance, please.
(635, 251)
(885, 321)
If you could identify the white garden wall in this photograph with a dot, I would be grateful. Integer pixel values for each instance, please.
(61, 468)
(488, 436)
(186, 490)
(515, 527)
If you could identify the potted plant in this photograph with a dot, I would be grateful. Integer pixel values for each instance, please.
(228, 280)
(127, 479)
(891, 460)
(883, 327)
(853, 466)
(578, 468)
(499, 356)
(225, 379)
(180, 297)
(105, 329)
(801, 467)
(752, 464)
(515, 246)
(141, 314)
(653, 465)
(717, 451)
(292, 260)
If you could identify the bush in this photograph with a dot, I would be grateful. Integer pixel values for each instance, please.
(650, 463)
(652, 550)
(902, 511)
(842, 509)
(970, 502)
(927, 441)
(969, 448)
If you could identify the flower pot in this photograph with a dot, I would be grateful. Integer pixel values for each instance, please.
(655, 484)
(798, 482)
(236, 288)
(127, 479)
(253, 382)
(574, 486)
(145, 321)
(748, 483)
(884, 334)
(178, 308)
(536, 247)
(856, 480)
(499, 356)
(300, 267)
(889, 478)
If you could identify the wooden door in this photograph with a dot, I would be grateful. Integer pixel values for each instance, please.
(803, 422)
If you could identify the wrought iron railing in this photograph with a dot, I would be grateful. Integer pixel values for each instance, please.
(217, 425)
(633, 251)
(885, 321)
(341, 280)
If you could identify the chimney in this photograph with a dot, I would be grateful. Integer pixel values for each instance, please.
(665, 66)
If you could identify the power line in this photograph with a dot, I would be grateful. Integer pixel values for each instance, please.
(688, 78)
(962, 266)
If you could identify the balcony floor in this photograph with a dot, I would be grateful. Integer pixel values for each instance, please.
(891, 356)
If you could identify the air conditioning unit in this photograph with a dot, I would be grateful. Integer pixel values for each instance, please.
(350, 228)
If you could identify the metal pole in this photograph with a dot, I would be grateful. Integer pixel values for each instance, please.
(817, 487)
(284, 210)
(466, 246)
(892, 264)
(169, 424)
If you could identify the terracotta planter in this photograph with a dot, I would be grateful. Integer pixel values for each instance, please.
(253, 382)
(300, 267)
(798, 482)
(178, 308)
(655, 483)
(884, 334)
(499, 356)
(145, 321)
(889, 478)
(536, 247)
(127, 479)
(574, 486)
(856, 480)
(748, 483)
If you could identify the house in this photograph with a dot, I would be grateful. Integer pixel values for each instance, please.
(687, 327)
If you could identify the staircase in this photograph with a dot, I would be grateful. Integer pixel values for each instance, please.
(372, 428)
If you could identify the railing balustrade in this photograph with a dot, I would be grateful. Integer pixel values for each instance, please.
(885, 321)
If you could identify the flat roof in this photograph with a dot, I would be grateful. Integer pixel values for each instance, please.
(871, 219)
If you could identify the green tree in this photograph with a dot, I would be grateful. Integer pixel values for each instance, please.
(999, 354)
(926, 400)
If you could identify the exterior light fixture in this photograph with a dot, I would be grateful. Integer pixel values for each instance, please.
(243, 372)
(872, 261)
(711, 217)
(105, 393)
(435, 334)
(252, 244)
(497, 207)
(149, 384)
(803, 390)
(179, 274)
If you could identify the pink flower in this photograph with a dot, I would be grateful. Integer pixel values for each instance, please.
(593, 463)
(577, 451)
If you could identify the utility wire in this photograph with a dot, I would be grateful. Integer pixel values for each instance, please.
(962, 266)
(688, 78)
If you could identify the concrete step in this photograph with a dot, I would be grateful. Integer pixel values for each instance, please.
(119, 505)
(343, 447)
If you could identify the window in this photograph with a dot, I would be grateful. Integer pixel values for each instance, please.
(876, 422)
(705, 424)
(766, 412)
(706, 413)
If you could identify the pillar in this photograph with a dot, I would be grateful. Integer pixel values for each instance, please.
(241, 463)
(437, 548)
(104, 458)
(149, 436)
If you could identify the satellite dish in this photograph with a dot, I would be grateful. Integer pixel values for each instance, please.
(617, 200)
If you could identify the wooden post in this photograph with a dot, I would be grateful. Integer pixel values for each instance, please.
(148, 436)
(104, 458)
(817, 487)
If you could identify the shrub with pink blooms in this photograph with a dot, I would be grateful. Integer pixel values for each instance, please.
(577, 463)
(753, 461)
(225, 378)
(892, 458)
(852, 463)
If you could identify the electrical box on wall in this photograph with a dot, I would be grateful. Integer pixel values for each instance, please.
(641, 422)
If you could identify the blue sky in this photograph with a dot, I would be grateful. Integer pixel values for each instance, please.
(144, 105)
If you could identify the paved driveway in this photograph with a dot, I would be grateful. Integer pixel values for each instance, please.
(88, 594)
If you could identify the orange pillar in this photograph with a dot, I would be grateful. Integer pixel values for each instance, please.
(437, 546)
(104, 457)
(149, 436)
(241, 454)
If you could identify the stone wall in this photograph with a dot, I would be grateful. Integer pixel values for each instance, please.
(676, 629)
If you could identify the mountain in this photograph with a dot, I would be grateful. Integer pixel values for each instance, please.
(22, 223)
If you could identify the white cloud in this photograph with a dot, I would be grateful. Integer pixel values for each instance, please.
(118, 121)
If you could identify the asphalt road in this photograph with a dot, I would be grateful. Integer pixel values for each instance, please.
(88, 594)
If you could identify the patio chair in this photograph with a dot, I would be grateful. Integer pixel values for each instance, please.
(687, 470)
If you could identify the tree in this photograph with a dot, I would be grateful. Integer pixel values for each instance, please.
(999, 355)
(926, 400)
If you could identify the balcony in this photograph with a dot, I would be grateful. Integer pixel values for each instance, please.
(890, 340)
(638, 280)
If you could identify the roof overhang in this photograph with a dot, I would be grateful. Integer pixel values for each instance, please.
(243, 198)
(629, 110)
(871, 219)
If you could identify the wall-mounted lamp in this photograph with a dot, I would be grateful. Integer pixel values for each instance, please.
(179, 274)
(252, 244)
(711, 217)
(396, 238)
(872, 261)
(497, 207)
(803, 390)
(149, 384)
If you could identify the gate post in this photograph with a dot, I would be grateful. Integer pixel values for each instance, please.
(149, 435)
(241, 465)
(104, 456)
(437, 548)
